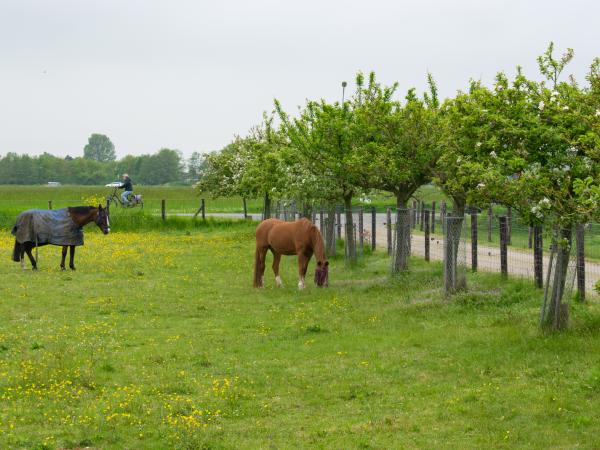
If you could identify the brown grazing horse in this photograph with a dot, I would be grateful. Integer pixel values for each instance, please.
(300, 238)
(35, 228)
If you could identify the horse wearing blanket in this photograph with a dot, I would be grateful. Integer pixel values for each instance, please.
(38, 227)
(300, 238)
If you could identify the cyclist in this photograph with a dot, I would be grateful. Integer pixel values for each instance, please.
(128, 186)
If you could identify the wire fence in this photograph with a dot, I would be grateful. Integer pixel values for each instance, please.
(491, 240)
(513, 249)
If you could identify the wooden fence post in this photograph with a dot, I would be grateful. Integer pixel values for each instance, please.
(321, 223)
(427, 239)
(579, 236)
(389, 230)
(202, 209)
(538, 256)
(361, 229)
(49, 204)
(245, 207)
(443, 216)
(433, 217)
(489, 222)
(413, 215)
(529, 237)
(373, 228)
(503, 246)
(474, 241)
(338, 220)
(422, 218)
(163, 209)
(509, 225)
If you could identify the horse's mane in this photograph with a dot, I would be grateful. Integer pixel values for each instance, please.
(81, 209)
(318, 244)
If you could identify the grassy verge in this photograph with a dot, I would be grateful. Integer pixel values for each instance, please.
(179, 199)
(158, 341)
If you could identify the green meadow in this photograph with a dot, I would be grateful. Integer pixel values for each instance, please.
(159, 341)
(179, 199)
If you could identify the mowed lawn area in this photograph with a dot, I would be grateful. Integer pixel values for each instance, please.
(159, 341)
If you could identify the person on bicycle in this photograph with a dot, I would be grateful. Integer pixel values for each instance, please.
(128, 186)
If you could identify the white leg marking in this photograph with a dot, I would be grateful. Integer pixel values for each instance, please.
(301, 283)
(278, 281)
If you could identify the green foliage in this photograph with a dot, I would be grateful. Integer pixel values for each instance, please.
(323, 141)
(165, 166)
(99, 148)
(399, 144)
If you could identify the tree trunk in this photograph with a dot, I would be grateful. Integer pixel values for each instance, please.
(307, 210)
(403, 227)
(267, 207)
(538, 256)
(453, 236)
(459, 207)
(330, 233)
(557, 315)
(350, 244)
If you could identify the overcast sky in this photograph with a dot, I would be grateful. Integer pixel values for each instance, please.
(189, 75)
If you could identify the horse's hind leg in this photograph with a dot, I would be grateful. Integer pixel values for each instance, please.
(72, 257)
(64, 256)
(276, 260)
(31, 258)
(259, 266)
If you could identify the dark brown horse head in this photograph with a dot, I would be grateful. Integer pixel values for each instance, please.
(322, 273)
(82, 215)
(102, 220)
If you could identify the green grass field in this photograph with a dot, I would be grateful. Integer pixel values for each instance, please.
(179, 199)
(159, 341)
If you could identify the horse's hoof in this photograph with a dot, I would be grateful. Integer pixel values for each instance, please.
(34, 268)
(62, 268)
(72, 268)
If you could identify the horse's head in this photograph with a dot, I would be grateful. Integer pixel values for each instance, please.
(102, 220)
(322, 273)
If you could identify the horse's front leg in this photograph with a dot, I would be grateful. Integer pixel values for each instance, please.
(276, 260)
(64, 256)
(72, 257)
(303, 260)
(30, 256)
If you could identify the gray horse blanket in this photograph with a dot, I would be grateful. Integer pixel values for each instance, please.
(48, 227)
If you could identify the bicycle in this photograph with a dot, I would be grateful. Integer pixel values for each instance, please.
(115, 197)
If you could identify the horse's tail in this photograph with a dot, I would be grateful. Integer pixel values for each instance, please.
(16, 257)
(257, 267)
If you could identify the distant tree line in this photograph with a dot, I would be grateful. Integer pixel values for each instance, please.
(100, 166)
